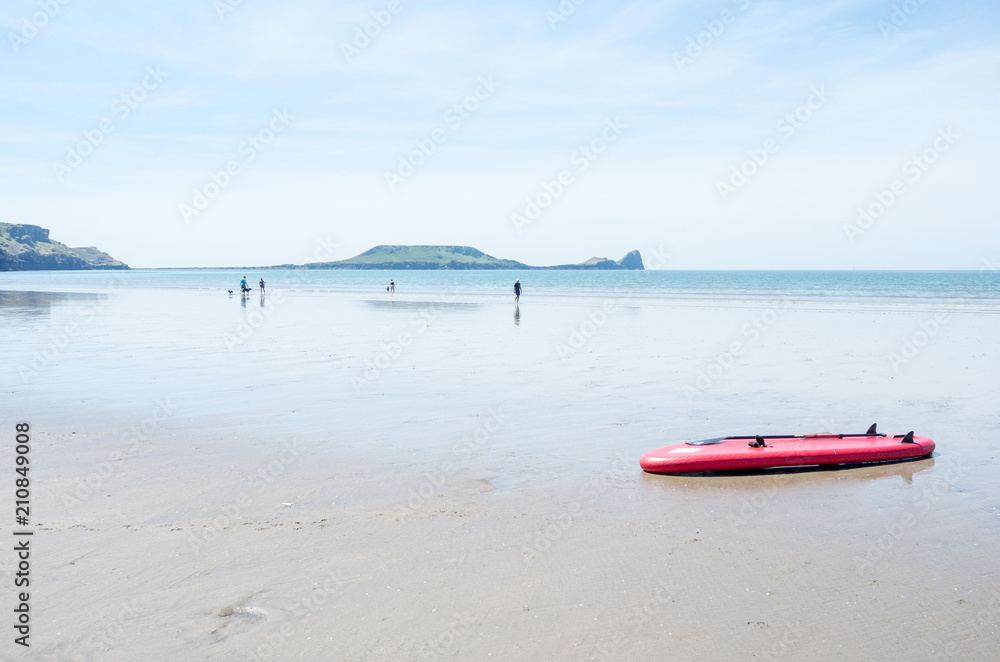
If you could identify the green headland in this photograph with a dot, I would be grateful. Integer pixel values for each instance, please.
(28, 248)
(454, 257)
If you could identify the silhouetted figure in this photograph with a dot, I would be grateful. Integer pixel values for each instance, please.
(517, 291)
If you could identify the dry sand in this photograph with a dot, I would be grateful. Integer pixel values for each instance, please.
(481, 498)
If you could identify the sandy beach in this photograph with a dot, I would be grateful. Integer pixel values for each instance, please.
(322, 477)
(267, 393)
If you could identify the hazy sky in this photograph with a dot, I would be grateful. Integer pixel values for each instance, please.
(728, 134)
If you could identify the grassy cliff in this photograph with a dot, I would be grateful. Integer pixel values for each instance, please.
(420, 257)
(28, 248)
(456, 257)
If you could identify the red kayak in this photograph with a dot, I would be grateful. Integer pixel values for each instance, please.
(760, 452)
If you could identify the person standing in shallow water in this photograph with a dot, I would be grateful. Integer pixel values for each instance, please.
(261, 285)
(517, 290)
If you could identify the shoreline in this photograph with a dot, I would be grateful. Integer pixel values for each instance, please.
(899, 304)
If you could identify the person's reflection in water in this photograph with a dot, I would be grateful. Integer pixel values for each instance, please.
(517, 315)
(243, 301)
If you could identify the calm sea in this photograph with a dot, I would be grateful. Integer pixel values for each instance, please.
(977, 288)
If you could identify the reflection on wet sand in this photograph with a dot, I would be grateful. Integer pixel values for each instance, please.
(391, 304)
(32, 304)
(790, 476)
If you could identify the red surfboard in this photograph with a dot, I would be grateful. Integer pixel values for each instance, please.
(760, 452)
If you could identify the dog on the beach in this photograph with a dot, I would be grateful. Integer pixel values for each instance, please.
(230, 291)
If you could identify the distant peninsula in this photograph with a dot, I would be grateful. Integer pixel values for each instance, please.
(28, 248)
(453, 257)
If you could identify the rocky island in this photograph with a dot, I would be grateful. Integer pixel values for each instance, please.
(454, 257)
(28, 248)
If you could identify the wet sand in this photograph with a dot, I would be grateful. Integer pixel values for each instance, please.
(342, 478)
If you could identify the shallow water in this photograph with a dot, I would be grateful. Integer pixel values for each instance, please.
(956, 287)
(453, 454)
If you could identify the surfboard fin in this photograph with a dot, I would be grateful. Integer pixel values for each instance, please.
(908, 439)
(871, 430)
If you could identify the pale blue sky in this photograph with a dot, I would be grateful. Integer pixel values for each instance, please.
(883, 97)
